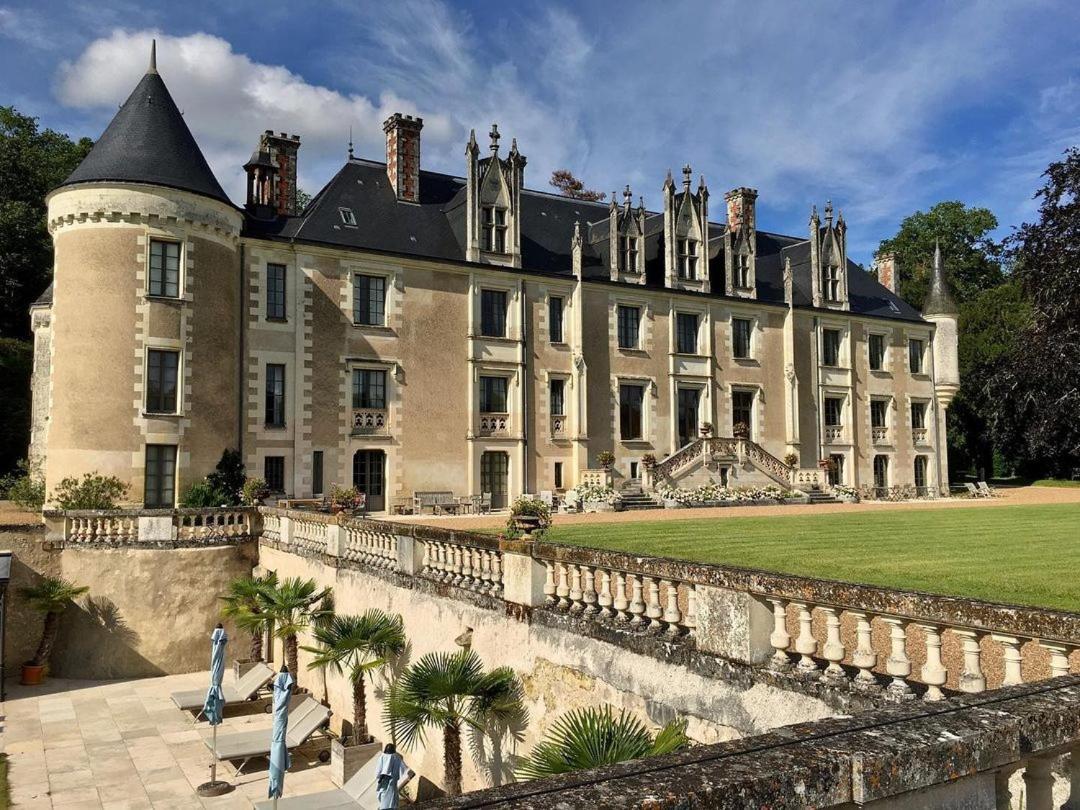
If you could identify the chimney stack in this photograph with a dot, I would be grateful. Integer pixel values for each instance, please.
(885, 265)
(403, 155)
(741, 209)
(282, 150)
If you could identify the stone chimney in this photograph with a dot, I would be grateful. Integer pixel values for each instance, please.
(887, 274)
(403, 155)
(741, 209)
(282, 150)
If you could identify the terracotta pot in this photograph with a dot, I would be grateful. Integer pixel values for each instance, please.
(32, 675)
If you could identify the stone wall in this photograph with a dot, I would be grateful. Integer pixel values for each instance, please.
(561, 670)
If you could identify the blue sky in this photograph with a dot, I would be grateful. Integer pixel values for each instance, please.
(884, 107)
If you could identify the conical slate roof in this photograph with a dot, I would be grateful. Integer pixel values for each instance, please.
(149, 142)
(939, 299)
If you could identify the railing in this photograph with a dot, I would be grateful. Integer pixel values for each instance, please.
(766, 462)
(918, 435)
(370, 422)
(833, 434)
(368, 546)
(879, 435)
(463, 565)
(595, 478)
(309, 532)
(685, 456)
(152, 527)
(558, 425)
(494, 424)
(808, 478)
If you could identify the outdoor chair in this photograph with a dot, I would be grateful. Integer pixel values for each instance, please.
(246, 688)
(485, 502)
(547, 497)
(306, 717)
(357, 792)
(985, 490)
(972, 490)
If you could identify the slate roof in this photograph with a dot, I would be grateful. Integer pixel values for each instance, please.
(148, 141)
(435, 228)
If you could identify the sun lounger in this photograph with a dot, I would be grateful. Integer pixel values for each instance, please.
(973, 490)
(244, 689)
(984, 490)
(306, 717)
(358, 792)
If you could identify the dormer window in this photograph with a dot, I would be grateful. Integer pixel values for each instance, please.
(688, 259)
(494, 229)
(347, 217)
(831, 282)
(628, 254)
(742, 271)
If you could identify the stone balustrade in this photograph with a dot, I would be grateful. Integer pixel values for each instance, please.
(494, 424)
(375, 548)
(558, 426)
(879, 435)
(370, 422)
(833, 434)
(463, 564)
(918, 436)
(152, 527)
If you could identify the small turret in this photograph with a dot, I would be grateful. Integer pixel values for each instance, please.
(940, 309)
(939, 300)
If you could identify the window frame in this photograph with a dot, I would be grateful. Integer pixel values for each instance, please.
(884, 476)
(274, 400)
(359, 300)
(556, 309)
(361, 392)
(628, 253)
(680, 333)
(741, 392)
(493, 229)
(883, 359)
(159, 467)
(485, 292)
(486, 391)
(688, 252)
(267, 475)
(918, 406)
(879, 406)
(749, 322)
(162, 292)
(270, 291)
(830, 278)
(560, 383)
(626, 409)
(742, 271)
(921, 464)
(619, 309)
(826, 331)
(348, 218)
(839, 414)
(921, 355)
(148, 405)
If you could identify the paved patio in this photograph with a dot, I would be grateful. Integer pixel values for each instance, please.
(123, 745)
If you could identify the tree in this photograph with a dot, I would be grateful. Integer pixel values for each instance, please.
(303, 199)
(243, 604)
(227, 479)
(51, 596)
(359, 646)
(32, 163)
(973, 259)
(445, 691)
(16, 364)
(1036, 390)
(592, 737)
(293, 605)
(570, 186)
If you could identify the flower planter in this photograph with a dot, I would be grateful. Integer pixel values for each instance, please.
(597, 506)
(527, 524)
(241, 667)
(32, 674)
(346, 760)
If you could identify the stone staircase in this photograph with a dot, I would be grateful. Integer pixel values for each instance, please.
(633, 498)
(817, 496)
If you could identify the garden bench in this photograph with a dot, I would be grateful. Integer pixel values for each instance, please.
(433, 501)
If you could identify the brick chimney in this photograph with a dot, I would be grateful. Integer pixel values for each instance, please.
(741, 209)
(887, 274)
(282, 150)
(403, 155)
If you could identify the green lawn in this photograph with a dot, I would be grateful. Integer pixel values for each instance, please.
(1016, 554)
(5, 796)
(1055, 482)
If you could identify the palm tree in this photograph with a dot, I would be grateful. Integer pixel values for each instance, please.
(444, 691)
(292, 605)
(360, 646)
(242, 603)
(591, 737)
(51, 596)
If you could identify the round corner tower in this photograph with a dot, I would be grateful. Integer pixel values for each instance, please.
(145, 308)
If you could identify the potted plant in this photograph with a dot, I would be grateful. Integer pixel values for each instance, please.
(358, 647)
(242, 603)
(648, 461)
(741, 430)
(51, 596)
(346, 501)
(255, 491)
(706, 430)
(528, 516)
(606, 459)
(791, 459)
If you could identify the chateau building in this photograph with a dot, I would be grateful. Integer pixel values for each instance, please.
(415, 331)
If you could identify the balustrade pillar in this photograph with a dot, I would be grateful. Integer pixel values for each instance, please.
(864, 656)
(1073, 802)
(1002, 789)
(805, 645)
(576, 605)
(496, 573)
(690, 619)
(779, 639)
(637, 604)
(933, 673)
(563, 589)
(549, 583)
(833, 649)
(1059, 659)
(1039, 784)
(621, 603)
(604, 599)
(588, 589)
(1011, 647)
(672, 616)
(971, 678)
(653, 611)
(898, 665)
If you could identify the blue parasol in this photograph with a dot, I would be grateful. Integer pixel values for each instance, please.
(279, 748)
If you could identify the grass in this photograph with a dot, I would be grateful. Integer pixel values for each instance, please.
(1015, 554)
(1055, 482)
(5, 796)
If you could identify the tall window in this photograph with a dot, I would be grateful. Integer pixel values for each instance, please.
(275, 292)
(274, 473)
(631, 398)
(628, 254)
(686, 329)
(877, 352)
(493, 313)
(830, 347)
(369, 300)
(558, 475)
(742, 408)
(558, 398)
(161, 374)
(742, 271)
(881, 471)
(836, 469)
(740, 338)
(493, 394)
(915, 350)
(159, 487)
(317, 472)
(831, 285)
(629, 326)
(369, 388)
(920, 474)
(275, 395)
(493, 223)
(555, 325)
(165, 268)
(918, 414)
(879, 412)
(688, 258)
(834, 411)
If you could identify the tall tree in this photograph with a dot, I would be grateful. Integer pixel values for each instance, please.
(570, 186)
(972, 257)
(1036, 390)
(32, 163)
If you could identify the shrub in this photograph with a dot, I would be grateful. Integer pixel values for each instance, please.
(348, 499)
(202, 494)
(254, 491)
(606, 459)
(648, 461)
(92, 491)
(791, 459)
(593, 494)
(741, 430)
(227, 479)
(528, 507)
(25, 486)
